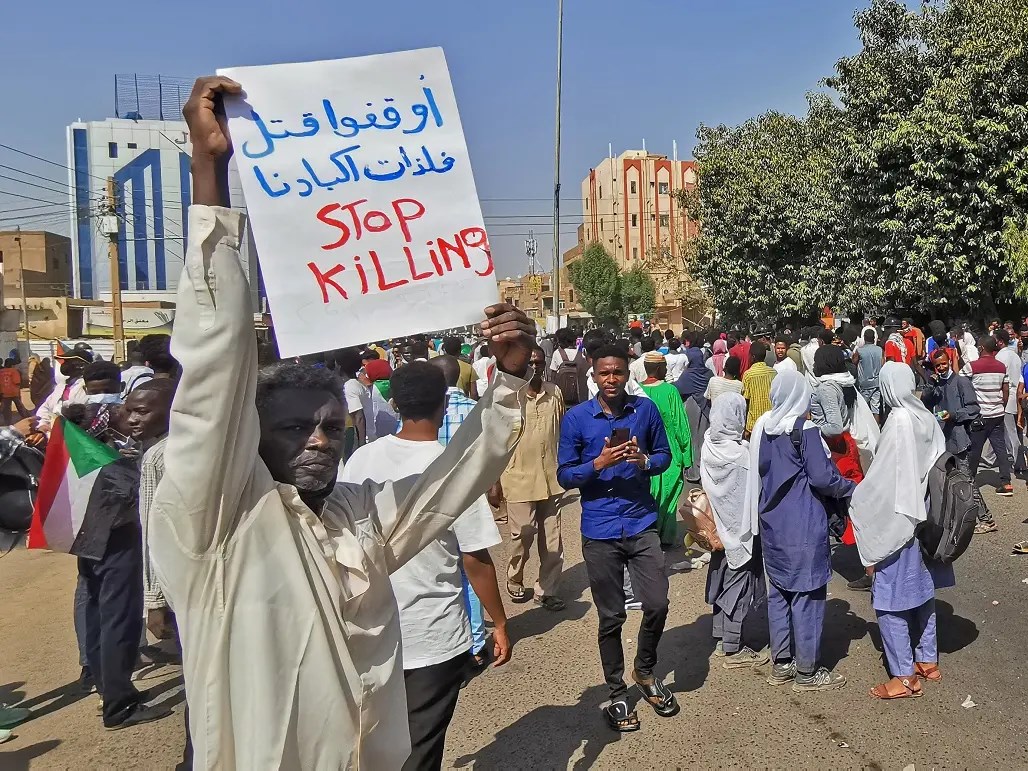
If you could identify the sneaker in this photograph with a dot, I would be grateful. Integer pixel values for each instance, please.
(633, 605)
(747, 657)
(782, 674)
(86, 681)
(719, 650)
(862, 584)
(819, 680)
(1006, 491)
(140, 715)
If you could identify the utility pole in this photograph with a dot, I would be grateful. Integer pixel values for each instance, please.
(21, 283)
(556, 170)
(111, 230)
(531, 247)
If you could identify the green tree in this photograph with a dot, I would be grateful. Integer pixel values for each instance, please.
(638, 293)
(936, 161)
(772, 243)
(597, 282)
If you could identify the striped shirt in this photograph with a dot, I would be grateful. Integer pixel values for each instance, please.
(756, 388)
(988, 376)
(458, 407)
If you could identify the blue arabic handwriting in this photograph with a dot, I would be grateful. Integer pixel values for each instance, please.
(347, 168)
(346, 126)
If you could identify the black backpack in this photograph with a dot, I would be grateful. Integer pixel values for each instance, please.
(20, 468)
(952, 512)
(566, 378)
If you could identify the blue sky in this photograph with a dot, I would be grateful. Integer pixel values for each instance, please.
(632, 70)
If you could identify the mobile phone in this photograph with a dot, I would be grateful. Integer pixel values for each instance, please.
(619, 437)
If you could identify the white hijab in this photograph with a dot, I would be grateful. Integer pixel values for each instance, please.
(724, 467)
(790, 400)
(888, 505)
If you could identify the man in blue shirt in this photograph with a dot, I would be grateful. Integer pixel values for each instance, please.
(610, 446)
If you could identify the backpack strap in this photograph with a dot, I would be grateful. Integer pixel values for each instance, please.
(796, 435)
(563, 356)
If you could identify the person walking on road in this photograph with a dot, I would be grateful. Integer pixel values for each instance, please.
(790, 478)
(610, 447)
(992, 390)
(532, 493)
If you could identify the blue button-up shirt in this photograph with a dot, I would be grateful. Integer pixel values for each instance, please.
(616, 502)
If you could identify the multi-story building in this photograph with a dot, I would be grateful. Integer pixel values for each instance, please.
(630, 206)
(533, 294)
(41, 258)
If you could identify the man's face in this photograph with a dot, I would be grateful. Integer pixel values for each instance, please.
(610, 375)
(72, 368)
(537, 363)
(146, 414)
(904, 325)
(302, 437)
(106, 386)
(780, 351)
(941, 366)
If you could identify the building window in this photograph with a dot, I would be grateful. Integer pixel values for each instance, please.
(55, 263)
(653, 217)
(1, 258)
(562, 305)
(571, 296)
(112, 149)
(601, 191)
(633, 185)
(665, 220)
(587, 204)
(516, 303)
(662, 188)
(635, 253)
(635, 220)
(131, 145)
(509, 301)
(601, 226)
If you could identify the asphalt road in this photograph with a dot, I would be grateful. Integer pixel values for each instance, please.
(541, 711)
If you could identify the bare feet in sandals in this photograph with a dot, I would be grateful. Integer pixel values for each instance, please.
(898, 688)
(928, 671)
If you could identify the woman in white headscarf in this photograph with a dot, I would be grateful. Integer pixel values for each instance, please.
(790, 475)
(735, 579)
(886, 509)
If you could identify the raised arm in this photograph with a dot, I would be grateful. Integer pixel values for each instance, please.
(211, 451)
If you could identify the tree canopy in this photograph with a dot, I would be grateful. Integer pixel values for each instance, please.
(605, 292)
(910, 192)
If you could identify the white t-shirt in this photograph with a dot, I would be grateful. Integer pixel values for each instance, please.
(677, 363)
(481, 368)
(632, 387)
(1009, 358)
(786, 365)
(556, 361)
(358, 397)
(637, 370)
(429, 593)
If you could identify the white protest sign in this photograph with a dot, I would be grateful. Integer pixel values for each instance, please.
(361, 198)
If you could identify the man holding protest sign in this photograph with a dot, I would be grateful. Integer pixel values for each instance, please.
(279, 577)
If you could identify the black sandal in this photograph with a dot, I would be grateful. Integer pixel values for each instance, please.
(550, 602)
(517, 594)
(620, 719)
(657, 695)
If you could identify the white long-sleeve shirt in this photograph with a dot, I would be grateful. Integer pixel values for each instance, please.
(54, 403)
(289, 626)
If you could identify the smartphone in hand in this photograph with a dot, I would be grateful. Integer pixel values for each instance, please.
(619, 436)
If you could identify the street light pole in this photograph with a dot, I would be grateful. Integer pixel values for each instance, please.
(556, 170)
(21, 283)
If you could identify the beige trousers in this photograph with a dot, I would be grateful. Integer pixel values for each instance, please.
(536, 521)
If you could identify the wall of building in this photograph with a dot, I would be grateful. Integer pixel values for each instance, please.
(149, 161)
(47, 260)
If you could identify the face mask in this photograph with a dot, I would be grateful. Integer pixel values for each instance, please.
(948, 375)
(103, 399)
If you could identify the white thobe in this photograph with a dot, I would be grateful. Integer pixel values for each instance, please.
(289, 627)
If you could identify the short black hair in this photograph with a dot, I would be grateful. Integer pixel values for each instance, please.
(101, 370)
(758, 352)
(8, 362)
(648, 344)
(668, 334)
(160, 385)
(451, 346)
(826, 336)
(156, 351)
(418, 349)
(593, 340)
(989, 343)
(609, 351)
(733, 366)
(565, 338)
(348, 361)
(288, 375)
(674, 343)
(1002, 335)
(448, 365)
(418, 390)
(869, 336)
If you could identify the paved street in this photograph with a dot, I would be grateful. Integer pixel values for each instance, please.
(541, 710)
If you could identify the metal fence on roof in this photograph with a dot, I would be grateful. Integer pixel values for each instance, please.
(150, 97)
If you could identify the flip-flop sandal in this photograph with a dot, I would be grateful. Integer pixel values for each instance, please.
(932, 672)
(1021, 547)
(620, 719)
(659, 697)
(985, 527)
(881, 692)
(517, 593)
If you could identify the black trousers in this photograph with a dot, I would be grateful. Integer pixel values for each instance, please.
(431, 698)
(606, 562)
(114, 620)
(994, 432)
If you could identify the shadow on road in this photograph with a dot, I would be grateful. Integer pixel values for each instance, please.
(842, 628)
(955, 632)
(550, 737)
(536, 620)
(16, 760)
(689, 648)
